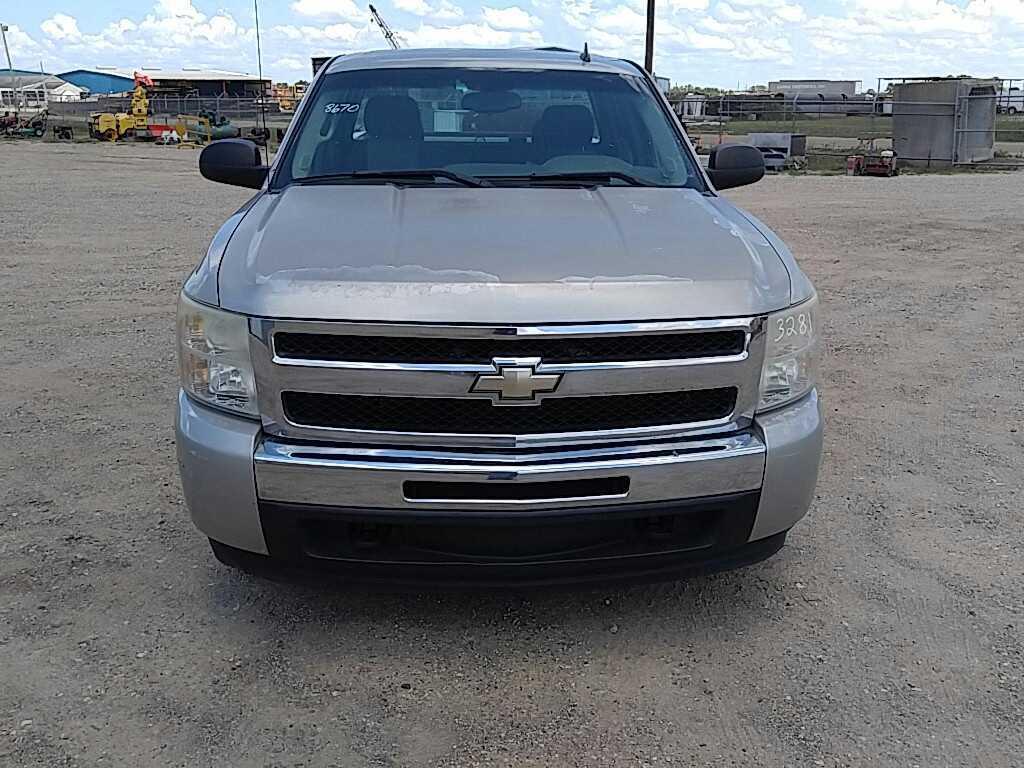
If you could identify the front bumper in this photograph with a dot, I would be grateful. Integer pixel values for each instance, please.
(691, 503)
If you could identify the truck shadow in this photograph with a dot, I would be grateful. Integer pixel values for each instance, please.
(342, 620)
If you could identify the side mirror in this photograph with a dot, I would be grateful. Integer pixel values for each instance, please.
(735, 165)
(233, 161)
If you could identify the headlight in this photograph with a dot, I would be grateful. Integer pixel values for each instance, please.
(791, 355)
(213, 357)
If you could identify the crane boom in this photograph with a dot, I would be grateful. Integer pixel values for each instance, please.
(384, 28)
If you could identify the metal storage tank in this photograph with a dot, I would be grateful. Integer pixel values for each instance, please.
(945, 121)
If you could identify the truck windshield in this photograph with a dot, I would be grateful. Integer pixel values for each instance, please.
(495, 126)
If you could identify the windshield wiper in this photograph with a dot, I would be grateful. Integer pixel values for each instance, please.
(397, 177)
(586, 178)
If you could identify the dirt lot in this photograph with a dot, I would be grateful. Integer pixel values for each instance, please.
(887, 632)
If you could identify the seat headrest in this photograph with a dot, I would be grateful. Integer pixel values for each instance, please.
(567, 122)
(392, 117)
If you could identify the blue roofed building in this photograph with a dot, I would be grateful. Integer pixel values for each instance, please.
(99, 81)
(181, 82)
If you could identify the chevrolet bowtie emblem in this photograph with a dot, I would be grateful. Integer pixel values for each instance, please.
(516, 382)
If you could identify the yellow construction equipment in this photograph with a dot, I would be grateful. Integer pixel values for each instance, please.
(140, 104)
(194, 130)
(113, 126)
(110, 126)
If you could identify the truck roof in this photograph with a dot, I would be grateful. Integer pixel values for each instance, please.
(488, 58)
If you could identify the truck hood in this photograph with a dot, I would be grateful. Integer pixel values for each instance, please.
(498, 255)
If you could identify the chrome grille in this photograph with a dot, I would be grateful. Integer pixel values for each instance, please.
(588, 349)
(450, 415)
(398, 384)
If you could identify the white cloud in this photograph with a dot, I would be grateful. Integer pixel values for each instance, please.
(22, 45)
(291, 64)
(332, 34)
(117, 30)
(61, 27)
(415, 7)
(728, 13)
(324, 9)
(469, 35)
(704, 42)
(687, 5)
(1009, 10)
(789, 12)
(445, 10)
(764, 49)
(578, 13)
(174, 33)
(513, 17)
(448, 11)
(711, 24)
(716, 42)
(621, 19)
(177, 9)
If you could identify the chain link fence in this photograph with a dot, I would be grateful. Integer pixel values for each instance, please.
(965, 129)
(246, 113)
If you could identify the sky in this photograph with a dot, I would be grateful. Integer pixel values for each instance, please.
(724, 43)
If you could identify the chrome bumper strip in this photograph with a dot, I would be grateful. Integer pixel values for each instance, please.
(374, 477)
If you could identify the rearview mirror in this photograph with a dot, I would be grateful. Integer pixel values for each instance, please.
(491, 102)
(735, 165)
(233, 161)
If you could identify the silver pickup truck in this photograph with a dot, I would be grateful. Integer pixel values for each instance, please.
(488, 321)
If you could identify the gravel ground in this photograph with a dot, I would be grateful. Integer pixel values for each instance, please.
(887, 632)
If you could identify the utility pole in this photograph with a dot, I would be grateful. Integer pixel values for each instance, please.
(10, 67)
(649, 49)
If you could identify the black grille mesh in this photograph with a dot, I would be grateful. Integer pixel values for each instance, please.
(399, 349)
(481, 417)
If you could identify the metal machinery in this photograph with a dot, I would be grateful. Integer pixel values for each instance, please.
(389, 35)
(109, 126)
(204, 127)
(871, 162)
(285, 96)
(117, 125)
(141, 126)
(136, 123)
(32, 126)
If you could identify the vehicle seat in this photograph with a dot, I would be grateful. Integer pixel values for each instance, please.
(394, 133)
(563, 129)
(336, 153)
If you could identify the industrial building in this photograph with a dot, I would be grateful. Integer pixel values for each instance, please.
(98, 82)
(180, 82)
(814, 88)
(27, 89)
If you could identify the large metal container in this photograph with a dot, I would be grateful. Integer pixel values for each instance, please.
(944, 122)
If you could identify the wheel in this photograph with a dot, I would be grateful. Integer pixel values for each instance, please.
(1011, 110)
(38, 131)
(110, 134)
